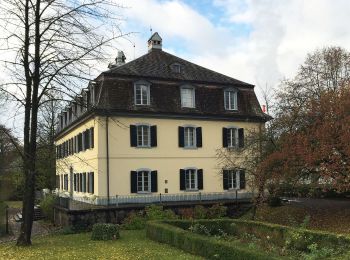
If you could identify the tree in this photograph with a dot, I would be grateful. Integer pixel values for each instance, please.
(310, 122)
(56, 45)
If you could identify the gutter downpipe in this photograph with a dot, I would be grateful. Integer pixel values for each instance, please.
(107, 170)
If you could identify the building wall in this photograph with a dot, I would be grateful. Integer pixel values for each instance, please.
(167, 158)
(84, 161)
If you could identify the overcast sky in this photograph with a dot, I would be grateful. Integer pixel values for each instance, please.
(257, 41)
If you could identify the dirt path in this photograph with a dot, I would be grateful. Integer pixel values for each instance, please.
(39, 228)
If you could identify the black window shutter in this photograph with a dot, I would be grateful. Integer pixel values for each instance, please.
(225, 179)
(80, 142)
(154, 136)
(154, 181)
(133, 137)
(200, 179)
(241, 137)
(181, 137)
(224, 137)
(182, 179)
(92, 137)
(242, 179)
(133, 183)
(92, 183)
(199, 136)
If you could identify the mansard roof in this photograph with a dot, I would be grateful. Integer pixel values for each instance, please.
(157, 64)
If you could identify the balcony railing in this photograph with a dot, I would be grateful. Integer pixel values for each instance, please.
(139, 199)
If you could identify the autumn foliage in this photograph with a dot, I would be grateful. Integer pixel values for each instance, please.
(317, 151)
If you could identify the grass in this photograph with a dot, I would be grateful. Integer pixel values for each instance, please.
(337, 221)
(133, 244)
(14, 204)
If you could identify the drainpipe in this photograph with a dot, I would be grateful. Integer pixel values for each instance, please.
(107, 158)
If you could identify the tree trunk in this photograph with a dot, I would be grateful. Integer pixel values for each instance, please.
(31, 118)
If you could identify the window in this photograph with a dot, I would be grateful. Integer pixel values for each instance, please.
(187, 97)
(65, 181)
(143, 181)
(233, 137)
(143, 136)
(189, 137)
(176, 67)
(234, 179)
(142, 94)
(84, 182)
(191, 179)
(230, 99)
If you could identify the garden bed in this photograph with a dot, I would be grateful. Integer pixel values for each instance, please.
(241, 239)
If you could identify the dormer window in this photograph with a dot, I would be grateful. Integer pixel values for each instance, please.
(142, 93)
(187, 97)
(230, 96)
(176, 68)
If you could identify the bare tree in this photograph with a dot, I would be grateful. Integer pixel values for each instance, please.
(52, 47)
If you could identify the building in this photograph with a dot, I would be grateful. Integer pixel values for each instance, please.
(148, 130)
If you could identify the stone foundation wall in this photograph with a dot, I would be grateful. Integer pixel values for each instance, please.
(86, 218)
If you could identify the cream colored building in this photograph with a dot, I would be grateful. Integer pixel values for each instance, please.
(149, 130)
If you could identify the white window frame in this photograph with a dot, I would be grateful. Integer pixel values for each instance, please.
(147, 86)
(187, 87)
(195, 188)
(194, 137)
(236, 174)
(143, 145)
(142, 171)
(229, 92)
(229, 133)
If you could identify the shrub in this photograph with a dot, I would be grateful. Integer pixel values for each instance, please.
(154, 212)
(205, 246)
(199, 212)
(216, 211)
(273, 201)
(47, 205)
(104, 231)
(186, 213)
(134, 221)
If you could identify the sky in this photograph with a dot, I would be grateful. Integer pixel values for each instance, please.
(257, 41)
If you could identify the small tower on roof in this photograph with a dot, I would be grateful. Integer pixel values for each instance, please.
(155, 42)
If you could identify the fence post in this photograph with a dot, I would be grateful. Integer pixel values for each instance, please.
(7, 219)
(116, 202)
(160, 197)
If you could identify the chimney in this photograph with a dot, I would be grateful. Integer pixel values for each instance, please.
(120, 60)
(264, 108)
(155, 42)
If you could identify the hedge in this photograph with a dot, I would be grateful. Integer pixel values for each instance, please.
(296, 238)
(207, 247)
(105, 231)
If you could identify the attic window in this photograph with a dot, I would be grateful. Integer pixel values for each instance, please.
(176, 67)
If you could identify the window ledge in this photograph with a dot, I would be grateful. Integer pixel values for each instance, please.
(190, 148)
(192, 190)
(144, 192)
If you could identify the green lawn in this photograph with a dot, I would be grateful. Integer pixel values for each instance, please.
(132, 245)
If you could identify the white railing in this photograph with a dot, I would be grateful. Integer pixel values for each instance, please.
(159, 198)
